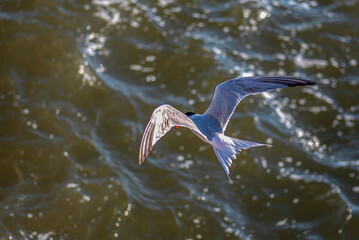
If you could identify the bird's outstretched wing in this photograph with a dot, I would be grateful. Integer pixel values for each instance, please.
(162, 120)
(228, 94)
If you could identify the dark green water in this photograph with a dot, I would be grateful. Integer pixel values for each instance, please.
(80, 79)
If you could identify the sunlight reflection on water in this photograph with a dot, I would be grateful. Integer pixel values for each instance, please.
(80, 81)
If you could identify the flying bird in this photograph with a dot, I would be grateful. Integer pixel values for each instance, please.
(211, 125)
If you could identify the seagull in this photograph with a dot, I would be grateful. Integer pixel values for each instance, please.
(211, 125)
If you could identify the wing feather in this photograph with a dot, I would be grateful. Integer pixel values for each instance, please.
(162, 120)
(227, 95)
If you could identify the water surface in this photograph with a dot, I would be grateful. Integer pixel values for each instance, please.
(80, 79)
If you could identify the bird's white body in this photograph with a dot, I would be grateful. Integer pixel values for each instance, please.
(211, 125)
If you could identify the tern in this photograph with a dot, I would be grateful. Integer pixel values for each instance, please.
(211, 125)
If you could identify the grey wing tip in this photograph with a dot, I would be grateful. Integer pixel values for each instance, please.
(293, 81)
(143, 155)
(288, 81)
(309, 82)
(140, 157)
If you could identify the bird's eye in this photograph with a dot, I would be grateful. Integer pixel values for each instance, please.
(177, 127)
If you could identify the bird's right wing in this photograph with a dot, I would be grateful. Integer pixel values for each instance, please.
(228, 94)
(162, 120)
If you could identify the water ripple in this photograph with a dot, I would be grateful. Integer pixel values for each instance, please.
(79, 82)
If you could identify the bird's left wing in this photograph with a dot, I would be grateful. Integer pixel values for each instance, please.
(228, 94)
(162, 120)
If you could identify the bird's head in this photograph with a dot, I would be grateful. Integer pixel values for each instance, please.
(188, 114)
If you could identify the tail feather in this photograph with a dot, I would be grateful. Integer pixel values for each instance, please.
(226, 149)
(241, 144)
(225, 161)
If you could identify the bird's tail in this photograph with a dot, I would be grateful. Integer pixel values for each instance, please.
(226, 149)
